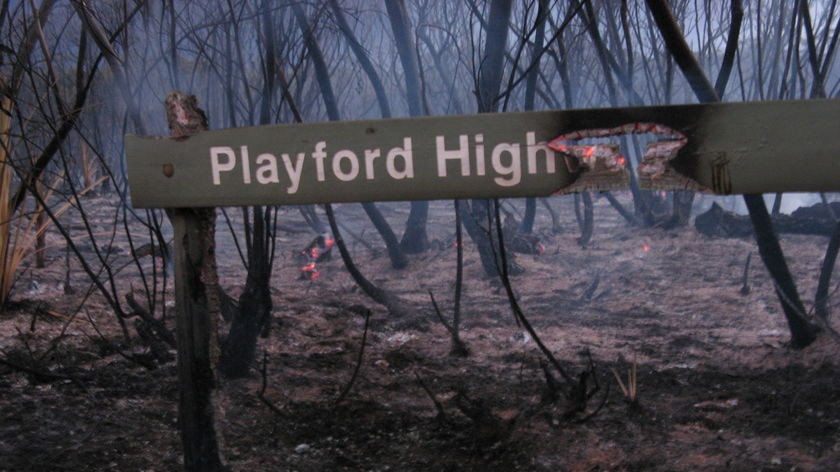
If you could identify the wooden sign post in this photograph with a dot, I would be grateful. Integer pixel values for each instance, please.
(196, 306)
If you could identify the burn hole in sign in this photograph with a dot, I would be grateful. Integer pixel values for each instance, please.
(602, 167)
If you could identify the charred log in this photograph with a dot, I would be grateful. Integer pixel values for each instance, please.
(517, 240)
(816, 220)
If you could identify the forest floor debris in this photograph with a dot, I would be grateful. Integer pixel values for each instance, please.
(716, 386)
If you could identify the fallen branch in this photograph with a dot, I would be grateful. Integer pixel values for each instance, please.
(394, 304)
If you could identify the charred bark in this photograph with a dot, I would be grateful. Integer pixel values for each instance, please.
(395, 252)
(821, 295)
(398, 259)
(529, 216)
(527, 225)
(478, 221)
(477, 215)
(240, 346)
(255, 304)
(802, 331)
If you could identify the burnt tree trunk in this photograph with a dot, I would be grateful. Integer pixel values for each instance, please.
(415, 238)
(255, 305)
(821, 295)
(395, 252)
(322, 75)
(477, 219)
(398, 259)
(527, 225)
(801, 330)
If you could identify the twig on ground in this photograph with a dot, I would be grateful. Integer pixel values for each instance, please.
(264, 386)
(438, 406)
(745, 286)
(364, 311)
(458, 349)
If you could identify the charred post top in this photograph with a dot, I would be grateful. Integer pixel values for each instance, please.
(184, 116)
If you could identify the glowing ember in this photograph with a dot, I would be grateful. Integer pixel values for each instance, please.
(318, 250)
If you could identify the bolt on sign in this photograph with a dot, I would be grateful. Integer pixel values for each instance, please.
(725, 148)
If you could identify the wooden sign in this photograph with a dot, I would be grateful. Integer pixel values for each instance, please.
(727, 148)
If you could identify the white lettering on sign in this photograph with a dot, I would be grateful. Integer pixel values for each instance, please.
(510, 172)
(319, 155)
(267, 170)
(443, 154)
(345, 165)
(533, 148)
(294, 171)
(216, 166)
(464, 156)
(505, 158)
(405, 155)
(345, 155)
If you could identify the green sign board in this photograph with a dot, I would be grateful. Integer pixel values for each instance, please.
(752, 147)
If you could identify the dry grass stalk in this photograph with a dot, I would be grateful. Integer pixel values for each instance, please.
(5, 209)
(19, 234)
(630, 389)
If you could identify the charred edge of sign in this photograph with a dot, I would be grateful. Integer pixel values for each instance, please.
(597, 167)
(656, 171)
